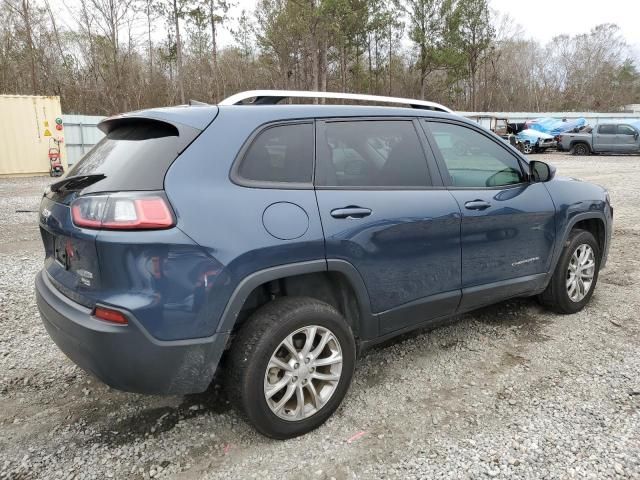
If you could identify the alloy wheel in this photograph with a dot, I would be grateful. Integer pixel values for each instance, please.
(580, 273)
(303, 373)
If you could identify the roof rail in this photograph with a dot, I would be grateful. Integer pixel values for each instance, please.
(272, 97)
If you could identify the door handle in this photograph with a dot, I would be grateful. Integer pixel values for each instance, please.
(477, 205)
(350, 212)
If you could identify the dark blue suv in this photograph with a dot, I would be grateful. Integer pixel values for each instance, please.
(271, 243)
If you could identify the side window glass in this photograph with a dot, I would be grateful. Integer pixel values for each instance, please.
(626, 130)
(283, 154)
(472, 159)
(371, 154)
(607, 129)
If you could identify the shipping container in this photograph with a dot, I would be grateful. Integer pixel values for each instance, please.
(29, 127)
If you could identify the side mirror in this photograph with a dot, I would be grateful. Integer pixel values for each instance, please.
(540, 171)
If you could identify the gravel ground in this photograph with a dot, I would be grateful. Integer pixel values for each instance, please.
(508, 391)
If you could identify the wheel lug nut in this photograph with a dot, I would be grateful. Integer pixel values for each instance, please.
(306, 360)
(296, 365)
(294, 379)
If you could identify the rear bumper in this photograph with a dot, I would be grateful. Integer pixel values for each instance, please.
(127, 357)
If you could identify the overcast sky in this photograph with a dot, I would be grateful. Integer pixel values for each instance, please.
(544, 19)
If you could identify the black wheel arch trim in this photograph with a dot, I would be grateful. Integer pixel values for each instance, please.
(367, 327)
(586, 216)
(567, 231)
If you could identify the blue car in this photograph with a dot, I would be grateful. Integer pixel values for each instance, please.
(534, 141)
(266, 245)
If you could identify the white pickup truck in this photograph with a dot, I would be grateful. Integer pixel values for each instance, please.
(605, 137)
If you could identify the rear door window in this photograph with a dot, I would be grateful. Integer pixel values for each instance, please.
(279, 154)
(371, 154)
(472, 159)
(607, 129)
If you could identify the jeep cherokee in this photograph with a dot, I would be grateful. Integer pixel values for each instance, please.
(277, 241)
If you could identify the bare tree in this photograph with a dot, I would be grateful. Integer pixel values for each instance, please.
(114, 59)
(179, 74)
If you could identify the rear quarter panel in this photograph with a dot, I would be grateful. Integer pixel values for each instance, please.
(227, 219)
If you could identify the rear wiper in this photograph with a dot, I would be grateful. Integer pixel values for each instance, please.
(77, 182)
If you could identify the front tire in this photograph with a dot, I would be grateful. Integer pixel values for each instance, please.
(576, 274)
(291, 365)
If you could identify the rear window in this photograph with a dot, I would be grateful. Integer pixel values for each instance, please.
(134, 155)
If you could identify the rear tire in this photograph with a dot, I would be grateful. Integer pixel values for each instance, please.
(573, 282)
(581, 149)
(260, 361)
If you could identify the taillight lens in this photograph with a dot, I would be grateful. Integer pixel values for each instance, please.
(122, 211)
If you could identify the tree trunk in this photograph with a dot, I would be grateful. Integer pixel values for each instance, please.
(149, 40)
(323, 64)
(118, 93)
(472, 72)
(390, 47)
(214, 48)
(170, 64)
(178, 53)
(315, 63)
(56, 33)
(32, 53)
(377, 54)
(370, 63)
(343, 69)
(214, 45)
(423, 71)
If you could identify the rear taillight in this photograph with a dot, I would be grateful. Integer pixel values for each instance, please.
(122, 211)
(110, 315)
